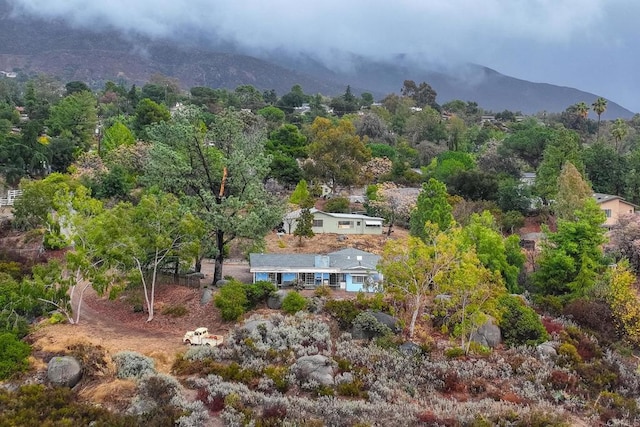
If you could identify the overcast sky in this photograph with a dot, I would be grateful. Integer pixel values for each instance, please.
(592, 45)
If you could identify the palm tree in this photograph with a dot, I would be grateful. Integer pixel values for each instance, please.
(599, 106)
(619, 131)
(582, 109)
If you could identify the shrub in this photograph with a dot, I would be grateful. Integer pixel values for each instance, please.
(175, 310)
(568, 355)
(594, 315)
(13, 355)
(454, 353)
(33, 405)
(371, 327)
(520, 325)
(351, 389)
(259, 292)
(337, 205)
(344, 311)
(293, 302)
(278, 375)
(232, 300)
(130, 364)
(322, 291)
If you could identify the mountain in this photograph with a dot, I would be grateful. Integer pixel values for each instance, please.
(54, 47)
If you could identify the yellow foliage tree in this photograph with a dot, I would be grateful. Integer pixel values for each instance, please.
(624, 302)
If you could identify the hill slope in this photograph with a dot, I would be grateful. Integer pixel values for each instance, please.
(54, 47)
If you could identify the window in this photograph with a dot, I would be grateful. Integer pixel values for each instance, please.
(358, 223)
(607, 213)
(317, 223)
(358, 279)
(345, 224)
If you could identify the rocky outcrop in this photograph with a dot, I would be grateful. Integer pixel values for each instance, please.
(316, 368)
(488, 334)
(274, 301)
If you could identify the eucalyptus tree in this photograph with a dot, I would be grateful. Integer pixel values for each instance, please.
(219, 173)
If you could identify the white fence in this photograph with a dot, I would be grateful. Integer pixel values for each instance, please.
(12, 195)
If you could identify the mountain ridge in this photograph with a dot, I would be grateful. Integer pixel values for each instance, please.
(54, 47)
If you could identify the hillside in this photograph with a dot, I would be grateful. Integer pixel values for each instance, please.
(54, 47)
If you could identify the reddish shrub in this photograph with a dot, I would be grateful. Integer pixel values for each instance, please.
(451, 383)
(512, 398)
(560, 380)
(216, 404)
(429, 419)
(596, 316)
(551, 326)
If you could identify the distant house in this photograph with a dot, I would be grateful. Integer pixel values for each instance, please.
(338, 223)
(528, 178)
(349, 269)
(613, 207)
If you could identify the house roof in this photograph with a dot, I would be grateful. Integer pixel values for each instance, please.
(346, 216)
(345, 259)
(602, 198)
(296, 214)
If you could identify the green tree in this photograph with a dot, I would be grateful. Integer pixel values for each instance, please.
(301, 194)
(432, 207)
(414, 270)
(75, 117)
(219, 173)
(572, 257)
(582, 109)
(116, 135)
(605, 168)
(249, 97)
(144, 236)
(563, 148)
(338, 153)
(304, 223)
(599, 107)
(619, 131)
(274, 116)
(422, 94)
(288, 140)
(528, 140)
(76, 86)
(149, 112)
(483, 235)
(573, 191)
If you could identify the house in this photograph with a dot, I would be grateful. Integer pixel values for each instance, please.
(339, 223)
(613, 207)
(349, 269)
(528, 178)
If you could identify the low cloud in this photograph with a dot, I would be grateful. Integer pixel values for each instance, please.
(505, 34)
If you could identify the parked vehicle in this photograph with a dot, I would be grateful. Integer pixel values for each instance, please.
(201, 336)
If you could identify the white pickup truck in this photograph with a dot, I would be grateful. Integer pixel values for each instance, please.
(201, 336)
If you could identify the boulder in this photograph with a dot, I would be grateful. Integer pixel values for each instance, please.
(410, 348)
(221, 283)
(487, 335)
(274, 301)
(367, 325)
(252, 325)
(207, 296)
(64, 371)
(547, 349)
(345, 377)
(387, 320)
(318, 368)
